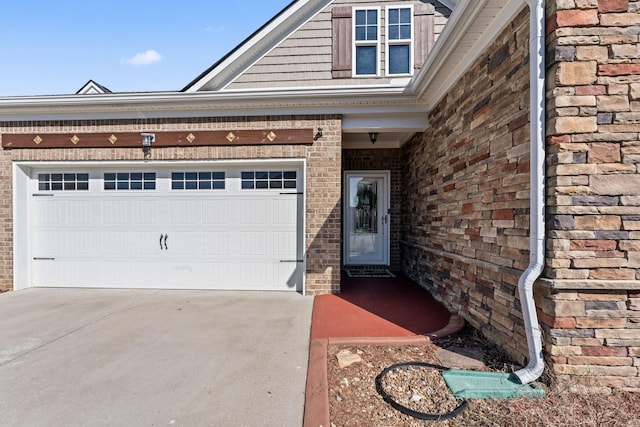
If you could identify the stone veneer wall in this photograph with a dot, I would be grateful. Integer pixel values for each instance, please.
(382, 159)
(465, 222)
(323, 179)
(591, 295)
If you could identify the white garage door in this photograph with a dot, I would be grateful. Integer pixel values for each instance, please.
(205, 227)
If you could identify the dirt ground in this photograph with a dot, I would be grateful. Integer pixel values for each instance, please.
(354, 400)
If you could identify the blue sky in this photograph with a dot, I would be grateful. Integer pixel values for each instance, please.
(54, 47)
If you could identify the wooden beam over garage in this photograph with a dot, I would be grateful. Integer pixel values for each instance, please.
(162, 139)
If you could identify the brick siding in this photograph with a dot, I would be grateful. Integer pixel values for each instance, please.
(323, 179)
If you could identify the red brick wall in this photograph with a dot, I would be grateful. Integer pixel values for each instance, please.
(323, 180)
(6, 229)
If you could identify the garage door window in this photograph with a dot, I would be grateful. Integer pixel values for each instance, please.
(258, 180)
(198, 181)
(63, 181)
(122, 181)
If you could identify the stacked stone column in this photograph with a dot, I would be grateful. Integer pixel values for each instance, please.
(589, 300)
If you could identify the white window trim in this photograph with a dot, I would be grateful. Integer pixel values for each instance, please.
(388, 42)
(365, 43)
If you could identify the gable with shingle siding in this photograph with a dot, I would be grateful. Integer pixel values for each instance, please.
(305, 57)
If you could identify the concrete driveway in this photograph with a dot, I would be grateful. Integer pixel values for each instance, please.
(144, 357)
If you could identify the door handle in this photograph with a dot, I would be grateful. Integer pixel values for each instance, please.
(163, 240)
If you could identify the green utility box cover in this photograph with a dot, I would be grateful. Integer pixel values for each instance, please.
(488, 385)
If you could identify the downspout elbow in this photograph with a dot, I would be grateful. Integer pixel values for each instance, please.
(535, 368)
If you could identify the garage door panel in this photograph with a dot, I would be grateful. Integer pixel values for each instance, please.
(44, 272)
(50, 242)
(115, 212)
(284, 212)
(79, 243)
(253, 275)
(48, 211)
(253, 243)
(183, 243)
(116, 244)
(118, 273)
(144, 212)
(184, 212)
(228, 238)
(79, 212)
(251, 211)
(215, 243)
(217, 274)
(284, 244)
(215, 211)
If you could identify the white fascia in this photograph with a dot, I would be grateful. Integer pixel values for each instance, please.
(176, 104)
(439, 74)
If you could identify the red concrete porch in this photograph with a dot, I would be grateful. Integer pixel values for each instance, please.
(377, 307)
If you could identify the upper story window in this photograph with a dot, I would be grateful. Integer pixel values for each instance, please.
(367, 41)
(373, 42)
(399, 40)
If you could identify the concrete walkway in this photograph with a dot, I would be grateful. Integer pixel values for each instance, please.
(139, 357)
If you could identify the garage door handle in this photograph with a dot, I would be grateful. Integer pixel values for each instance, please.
(291, 260)
(163, 239)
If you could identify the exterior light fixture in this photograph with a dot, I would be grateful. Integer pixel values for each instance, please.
(318, 135)
(373, 137)
(147, 140)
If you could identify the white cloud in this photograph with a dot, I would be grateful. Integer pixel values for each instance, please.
(144, 58)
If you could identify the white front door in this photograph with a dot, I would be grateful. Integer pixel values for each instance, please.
(366, 218)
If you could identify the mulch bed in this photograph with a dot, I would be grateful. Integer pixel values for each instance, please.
(354, 400)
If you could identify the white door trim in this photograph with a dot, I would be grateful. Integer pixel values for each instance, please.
(22, 209)
(383, 221)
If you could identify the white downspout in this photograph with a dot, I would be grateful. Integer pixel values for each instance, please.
(537, 179)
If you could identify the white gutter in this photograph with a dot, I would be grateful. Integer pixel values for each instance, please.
(168, 104)
(537, 177)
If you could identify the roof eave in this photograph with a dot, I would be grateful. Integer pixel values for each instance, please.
(462, 41)
(166, 104)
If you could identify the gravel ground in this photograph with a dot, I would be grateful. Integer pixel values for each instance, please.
(354, 400)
